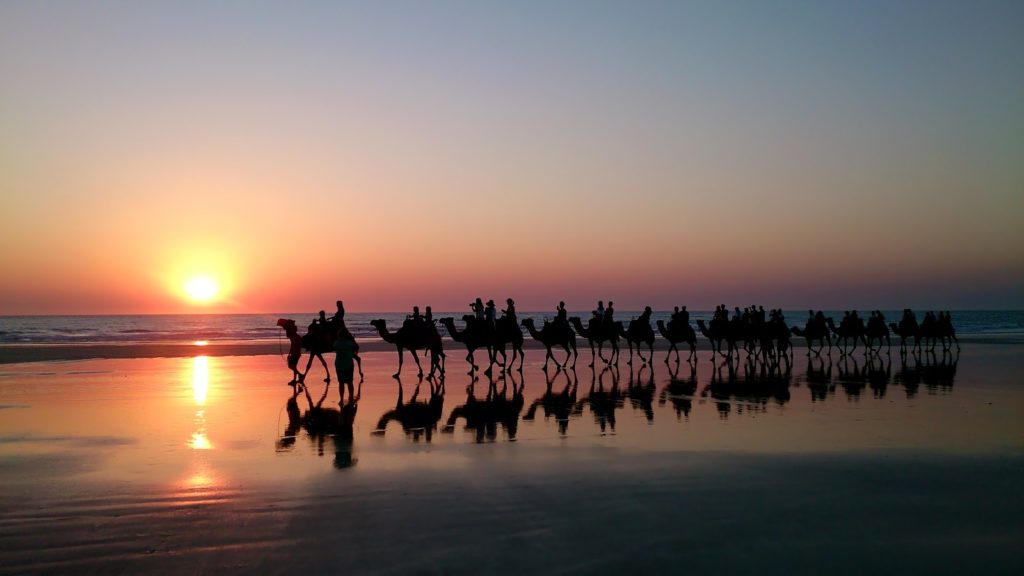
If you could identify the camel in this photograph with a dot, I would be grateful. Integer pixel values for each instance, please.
(906, 329)
(475, 335)
(675, 333)
(417, 418)
(316, 344)
(409, 338)
(552, 335)
(719, 331)
(814, 331)
(598, 333)
(775, 341)
(639, 332)
(507, 332)
(877, 330)
(938, 329)
(849, 329)
(946, 331)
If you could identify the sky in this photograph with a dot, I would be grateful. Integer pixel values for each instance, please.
(791, 154)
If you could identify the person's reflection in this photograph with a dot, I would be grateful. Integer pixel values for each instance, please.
(418, 418)
(603, 403)
(344, 437)
(560, 405)
(641, 392)
(819, 377)
(680, 391)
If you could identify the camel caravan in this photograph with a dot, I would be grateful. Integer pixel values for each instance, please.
(762, 335)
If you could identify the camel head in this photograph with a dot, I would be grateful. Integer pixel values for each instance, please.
(528, 322)
(378, 323)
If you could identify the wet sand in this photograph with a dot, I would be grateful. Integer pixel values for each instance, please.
(169, 465)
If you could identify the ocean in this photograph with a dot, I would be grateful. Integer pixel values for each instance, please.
(257, 328)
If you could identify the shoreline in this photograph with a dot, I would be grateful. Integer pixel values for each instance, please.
(27, 353)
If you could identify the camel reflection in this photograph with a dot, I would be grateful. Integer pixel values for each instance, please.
(641, 392)
(818, 377)
(418, 418)
(559, 405)
(319, 424)
(603, 403)
(748, 387)
(680, 391)
(936, 371)
(878, 373)
(851, 377)
(483, 417)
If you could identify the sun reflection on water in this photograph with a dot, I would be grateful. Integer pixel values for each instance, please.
(200, 378)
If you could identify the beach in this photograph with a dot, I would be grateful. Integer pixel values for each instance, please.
(199, 464)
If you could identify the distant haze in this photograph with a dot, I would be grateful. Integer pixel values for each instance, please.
(794, 154)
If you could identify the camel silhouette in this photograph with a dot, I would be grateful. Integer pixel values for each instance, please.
(906, 329)
(814, 331)
(850, 330)
(598, 333)
(938, 329)
(719, 332)
(508, 333)
(476, 335)
(418, 418)
(408, 337)
(675, 333)
(552, 335)
(639, 332)
(774, 341)
(560, 405)
(876, 329)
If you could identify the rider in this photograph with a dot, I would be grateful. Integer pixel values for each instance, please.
(609, 314)
(478, 309)
(490, 312)
(510, 310)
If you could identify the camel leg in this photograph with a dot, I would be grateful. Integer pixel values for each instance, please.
(326, 369)
(359, 363)
(671, 346)
(417, 359)
(593, 358)
(693, 350)
(401, 359)
(472, 363)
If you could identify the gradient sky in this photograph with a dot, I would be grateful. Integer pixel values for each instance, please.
(795, 154)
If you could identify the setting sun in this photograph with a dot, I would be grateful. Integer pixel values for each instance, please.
(201, 288)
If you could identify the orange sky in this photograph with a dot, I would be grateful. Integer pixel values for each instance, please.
(660, 157)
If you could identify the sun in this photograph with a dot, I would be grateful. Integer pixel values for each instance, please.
(201, 289)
